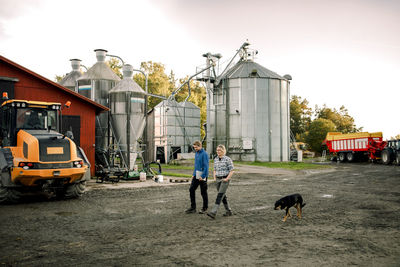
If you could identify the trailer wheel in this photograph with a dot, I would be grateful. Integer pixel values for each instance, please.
(350, 156)
(385, 157)
(342, 157)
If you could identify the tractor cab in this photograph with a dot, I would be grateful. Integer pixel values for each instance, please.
(16, 115)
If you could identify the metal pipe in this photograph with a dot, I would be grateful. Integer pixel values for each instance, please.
(123, 63)
(218, 79)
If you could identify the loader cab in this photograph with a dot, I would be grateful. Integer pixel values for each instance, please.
(16, 115)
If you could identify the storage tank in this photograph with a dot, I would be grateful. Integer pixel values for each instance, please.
(70, 79)
(127, 103)
(176, 127)
(96, 84)
(248, 112)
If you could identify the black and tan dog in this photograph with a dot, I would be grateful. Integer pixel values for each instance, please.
(295, 200)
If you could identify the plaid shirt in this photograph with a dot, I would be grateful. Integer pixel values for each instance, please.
(223, 166)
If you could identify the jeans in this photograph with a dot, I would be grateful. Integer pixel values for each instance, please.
(203, 189)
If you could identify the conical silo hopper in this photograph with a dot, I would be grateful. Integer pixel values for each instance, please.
(70, 79)
(96, 84)
(127, 103)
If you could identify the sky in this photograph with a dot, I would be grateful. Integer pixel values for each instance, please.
(342, 52)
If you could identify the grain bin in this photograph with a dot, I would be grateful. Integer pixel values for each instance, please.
(96, 84)
(248, 112)
(70, 79)
(175, 126)
(127, 104)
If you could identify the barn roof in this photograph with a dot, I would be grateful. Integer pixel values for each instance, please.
(98, 107)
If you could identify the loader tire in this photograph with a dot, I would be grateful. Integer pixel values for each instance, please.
(74, 190)
(8, 195)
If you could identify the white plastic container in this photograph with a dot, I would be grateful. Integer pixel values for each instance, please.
(160, 178)
(142, 176)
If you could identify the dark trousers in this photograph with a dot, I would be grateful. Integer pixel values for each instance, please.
(203, 189)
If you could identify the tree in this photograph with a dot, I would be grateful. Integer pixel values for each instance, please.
(300, 116)
(317, 133)
(343, 121)
(158, 81)
(58, 78)
(114, 64)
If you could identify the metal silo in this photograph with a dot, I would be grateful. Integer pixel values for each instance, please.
(96, 84)
(176, 127)
(248, 112)
(70, 79)
(127, 104)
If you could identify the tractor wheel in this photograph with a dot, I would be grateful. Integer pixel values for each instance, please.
(350, 156)
(8, 195)
(342, 157)
(385, 156)
(398, 158)
(74, 190)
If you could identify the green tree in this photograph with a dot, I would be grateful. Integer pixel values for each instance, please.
(158, 81)
(116, 66)
(300, 116)
(317, 133)
(343, 121)
(58, 78)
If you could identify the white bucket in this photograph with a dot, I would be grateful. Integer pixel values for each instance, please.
(160, 178)
(142, 176)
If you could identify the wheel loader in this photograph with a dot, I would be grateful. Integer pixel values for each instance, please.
(35, 156)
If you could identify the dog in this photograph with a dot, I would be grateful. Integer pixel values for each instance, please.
(287, 202)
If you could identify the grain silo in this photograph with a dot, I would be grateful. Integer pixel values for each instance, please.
(176, 126)
(70, 79)
(96, 84)
(248, 112)
(127, 103)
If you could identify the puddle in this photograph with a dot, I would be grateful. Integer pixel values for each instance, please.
(327, 196)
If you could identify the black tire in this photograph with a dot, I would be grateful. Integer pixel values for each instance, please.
(9, 195)
(342, 157)
(350, 157)
(386, 157)
(398, 158)
(74, 190)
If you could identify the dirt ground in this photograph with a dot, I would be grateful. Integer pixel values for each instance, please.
(352, 217)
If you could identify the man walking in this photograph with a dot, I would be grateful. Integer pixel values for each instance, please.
(200, 175)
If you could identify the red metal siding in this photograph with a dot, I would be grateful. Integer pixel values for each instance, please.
(30, 87)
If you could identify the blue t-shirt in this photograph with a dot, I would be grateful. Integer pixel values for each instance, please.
(201, 161)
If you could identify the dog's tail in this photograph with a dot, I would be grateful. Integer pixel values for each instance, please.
(302, 205)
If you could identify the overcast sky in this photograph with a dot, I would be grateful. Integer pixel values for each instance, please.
(342, 52)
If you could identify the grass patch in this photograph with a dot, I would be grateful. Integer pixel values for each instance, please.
(177, 174)
(176, 167)
(286, 165)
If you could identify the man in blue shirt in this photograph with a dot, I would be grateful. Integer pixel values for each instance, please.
(200, 175)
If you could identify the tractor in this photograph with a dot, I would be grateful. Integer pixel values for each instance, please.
(391, 153)
(35, 156)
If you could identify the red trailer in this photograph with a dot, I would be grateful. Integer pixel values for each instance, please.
(355, 145)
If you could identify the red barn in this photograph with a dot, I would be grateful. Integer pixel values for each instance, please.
(22, 83)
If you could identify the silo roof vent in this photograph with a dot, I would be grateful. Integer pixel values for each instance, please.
(101, 55)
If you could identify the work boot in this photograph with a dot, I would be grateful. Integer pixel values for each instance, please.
(202, 211)
(227, 213)
(211, 215)
(191, 210)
